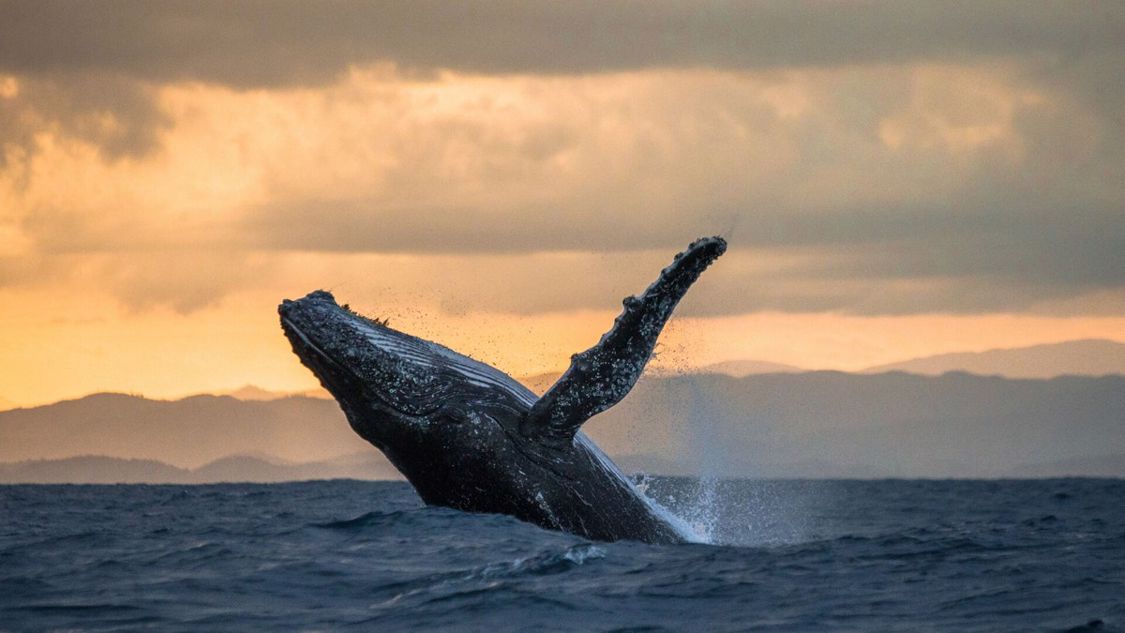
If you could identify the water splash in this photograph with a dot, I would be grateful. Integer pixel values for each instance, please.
(705, 510)
(704, 514)
(720, 511)
(687, 528)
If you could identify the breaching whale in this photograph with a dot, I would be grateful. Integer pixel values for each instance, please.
(468, 436)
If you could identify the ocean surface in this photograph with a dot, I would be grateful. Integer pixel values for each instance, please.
(1045, 555)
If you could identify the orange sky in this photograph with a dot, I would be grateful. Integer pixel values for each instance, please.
(159, 353)
(882, 202)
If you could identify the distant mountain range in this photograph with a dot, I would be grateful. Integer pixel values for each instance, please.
(237, 468)
(741, 368)
(832, 424)
(812, 424)
(185, 433)
(253, 392)
(1091, 357)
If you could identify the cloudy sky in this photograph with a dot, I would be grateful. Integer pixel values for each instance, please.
(895, 179)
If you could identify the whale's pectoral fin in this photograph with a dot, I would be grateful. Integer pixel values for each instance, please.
(601, 376)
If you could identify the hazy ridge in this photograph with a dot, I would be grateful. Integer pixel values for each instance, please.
(742, 368)
(815, 424)
(831, 424)
(97, 469)
(186, 433)
(1090, 357)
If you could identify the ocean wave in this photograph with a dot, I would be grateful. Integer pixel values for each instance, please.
(819, 556)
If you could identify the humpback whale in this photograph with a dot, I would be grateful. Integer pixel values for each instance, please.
(468, 436)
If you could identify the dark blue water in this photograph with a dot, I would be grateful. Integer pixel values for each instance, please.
(801, 556)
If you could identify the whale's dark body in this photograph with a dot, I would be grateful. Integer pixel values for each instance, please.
(468, 436)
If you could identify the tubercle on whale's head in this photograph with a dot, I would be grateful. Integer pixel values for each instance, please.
(393, 387)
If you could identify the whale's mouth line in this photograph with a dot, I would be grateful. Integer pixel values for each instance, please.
(321, 355)
(292, 327)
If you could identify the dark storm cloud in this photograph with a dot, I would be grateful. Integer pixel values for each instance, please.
(271, 43)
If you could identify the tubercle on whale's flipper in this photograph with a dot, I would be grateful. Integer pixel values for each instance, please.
(601, 376)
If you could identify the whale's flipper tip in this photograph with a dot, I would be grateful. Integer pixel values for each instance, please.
(601, 376)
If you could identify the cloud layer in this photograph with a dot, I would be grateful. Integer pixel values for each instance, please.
(267, 44)
(876, 158)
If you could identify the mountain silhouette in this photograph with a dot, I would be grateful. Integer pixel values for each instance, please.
(823, 424)
(96, 469)
(186, 433)
(741, 368)
(1090, 357)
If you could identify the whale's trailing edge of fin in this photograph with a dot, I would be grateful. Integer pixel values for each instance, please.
(601, 376)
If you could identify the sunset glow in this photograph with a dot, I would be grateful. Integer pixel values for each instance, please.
(888, 205)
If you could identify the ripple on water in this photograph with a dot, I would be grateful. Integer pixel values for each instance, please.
(824, 556)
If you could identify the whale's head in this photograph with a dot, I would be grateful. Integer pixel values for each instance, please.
(402, 393)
